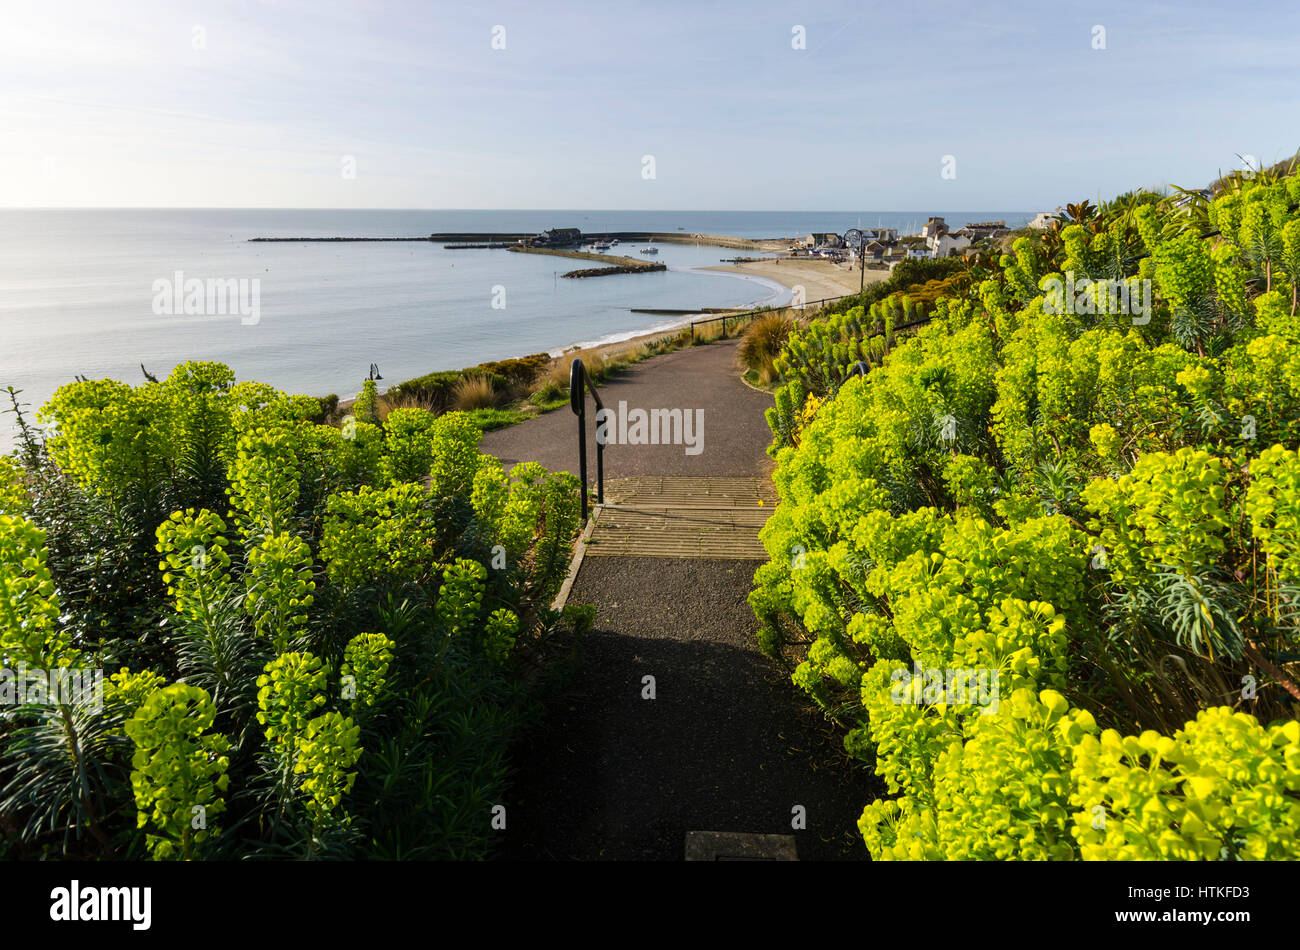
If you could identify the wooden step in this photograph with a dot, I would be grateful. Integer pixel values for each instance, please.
(682, 517)
(690, 492)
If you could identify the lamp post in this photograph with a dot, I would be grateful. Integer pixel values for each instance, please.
(853, 237)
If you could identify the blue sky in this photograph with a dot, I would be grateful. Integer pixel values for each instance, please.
(261, 104)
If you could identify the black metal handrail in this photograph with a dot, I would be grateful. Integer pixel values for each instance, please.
(579, 383)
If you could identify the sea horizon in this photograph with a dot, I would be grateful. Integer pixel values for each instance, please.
(468, 210)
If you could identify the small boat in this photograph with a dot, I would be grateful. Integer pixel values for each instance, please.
(600, 247)
(651, 249)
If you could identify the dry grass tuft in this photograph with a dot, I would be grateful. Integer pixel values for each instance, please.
(474, 392)
(386, 404)
(762, 343)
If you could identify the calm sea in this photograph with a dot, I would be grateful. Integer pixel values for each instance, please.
(77, 290)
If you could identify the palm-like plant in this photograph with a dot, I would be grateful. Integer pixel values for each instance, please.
(1201, 612)
(1057, 485)
(61, 768)
(1189, 211)
(1205, 324)
(1263, 250)
(217, 651)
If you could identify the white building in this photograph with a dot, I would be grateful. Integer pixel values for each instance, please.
(1043, 220)
(944, 245)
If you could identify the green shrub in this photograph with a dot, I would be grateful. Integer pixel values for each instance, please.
(1097, 506)
(289, 702)
(366, 406)
(178, 770)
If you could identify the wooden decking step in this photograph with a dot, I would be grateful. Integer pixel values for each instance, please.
(690, 492)
(700, 517)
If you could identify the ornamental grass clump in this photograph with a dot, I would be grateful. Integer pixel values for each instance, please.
(762, 342)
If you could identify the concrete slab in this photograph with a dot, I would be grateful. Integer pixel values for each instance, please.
(738, 846)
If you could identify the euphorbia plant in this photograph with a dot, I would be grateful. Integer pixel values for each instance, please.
(178, 770)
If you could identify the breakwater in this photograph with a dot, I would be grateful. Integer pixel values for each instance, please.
(336, 240)
(606, 271)
(622, 265)
(465, 239)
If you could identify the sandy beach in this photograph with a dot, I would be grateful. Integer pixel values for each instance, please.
(820, 279)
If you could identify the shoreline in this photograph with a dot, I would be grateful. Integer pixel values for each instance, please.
(655, 331)
(679, 320)
(821, 280)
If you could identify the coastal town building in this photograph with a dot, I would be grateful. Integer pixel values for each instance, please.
(1043, 220)
(877, 243)
(558, 237)
(823, 239)
(934, 227)
(983, 229)
(945, 245)
(896, 255)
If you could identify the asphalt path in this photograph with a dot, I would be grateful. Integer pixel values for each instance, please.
(727, 743)
(703, 381)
